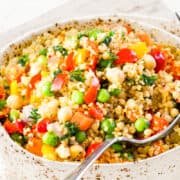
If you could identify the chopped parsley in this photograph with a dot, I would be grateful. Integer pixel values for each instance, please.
(115, 92)
(23, 60)
(72, 130)
(148, 80)
(34, 115)
(57, 72)
(2, 104)
(108, 38)
(61, 49)
(77, 75)
(19, 138)
(43, 52)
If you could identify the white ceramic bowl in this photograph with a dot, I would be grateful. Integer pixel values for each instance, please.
(17, 163)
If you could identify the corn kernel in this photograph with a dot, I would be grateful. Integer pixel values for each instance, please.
(81, 56)
(14, 88)
(49, 152)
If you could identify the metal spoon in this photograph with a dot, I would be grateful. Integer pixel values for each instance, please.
(83, 167)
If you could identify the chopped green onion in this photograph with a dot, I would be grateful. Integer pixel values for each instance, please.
(35, 115)
(2, 104)
(117, 147)
(115, 92)
(77, 75)
(19, 138)
(43, 52)
(13, 115)
(61, 49)
(23, 60)
(148, 80)
(108, 38)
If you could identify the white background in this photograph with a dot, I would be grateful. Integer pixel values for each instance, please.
(16, 12)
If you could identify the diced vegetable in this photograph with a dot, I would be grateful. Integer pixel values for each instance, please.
(103, 63)
(61, 49)
(94, 46)
(23, 60)
(2, 93)
(77, 151)
(108, 126)
(59, 82)
(2, 104)
(77, 97)
(50, 138)
(103, 95)
(34, 146)
(77, 75)
(117, 147)
(140, 48)
(14, 127)
(96, 112)
(115, 92)
(125, 55)
(81, 56)
(19, 138)
(72, 128)
(144, 38)
(83, 121)
(14, 87)
(109, 136)
(158, 124)
(42, 59)
(148, 80)
(46, 89)
(42, 125)
(92, 33)
(160, 60)
(43, 52)
(80, 136)
(64, 114)
(48, 152)
(141, 124)
(70, 64)
(91, 93)
(14, 115)
(92, 148)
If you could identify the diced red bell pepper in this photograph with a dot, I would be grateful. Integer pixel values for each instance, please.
(96, 112)
(92, 148)
(128, 28)
(158, 124)
(59, 82)
(90, 95)
(159, 58)
(10, 127)
(42, 125)
(126, 55)
(94, 46)
(93, 63)
(70, 65)
(2, 93)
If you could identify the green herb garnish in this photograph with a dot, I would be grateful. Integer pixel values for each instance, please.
(61, 49)
(23, 60)
(148, 80)
(43, 52)
(34, 115)
(115, 92)
(108, 38)
(57, 72)
(77, 75)
(19, 138)
(2, 104)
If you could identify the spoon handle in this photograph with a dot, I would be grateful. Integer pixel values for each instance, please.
(80, 170)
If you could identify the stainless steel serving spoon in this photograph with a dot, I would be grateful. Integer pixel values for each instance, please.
(83, 167)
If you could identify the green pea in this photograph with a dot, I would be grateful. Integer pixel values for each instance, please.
(50, 138)
(130, 156)
(117, 147)
(77, 97)
(103, 95)
(80, 136)
(109, 136)
(108, 126)
(46, 89)
(141, 124)
(14, 114)
(42, 59)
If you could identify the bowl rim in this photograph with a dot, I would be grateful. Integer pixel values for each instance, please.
(84, 19)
